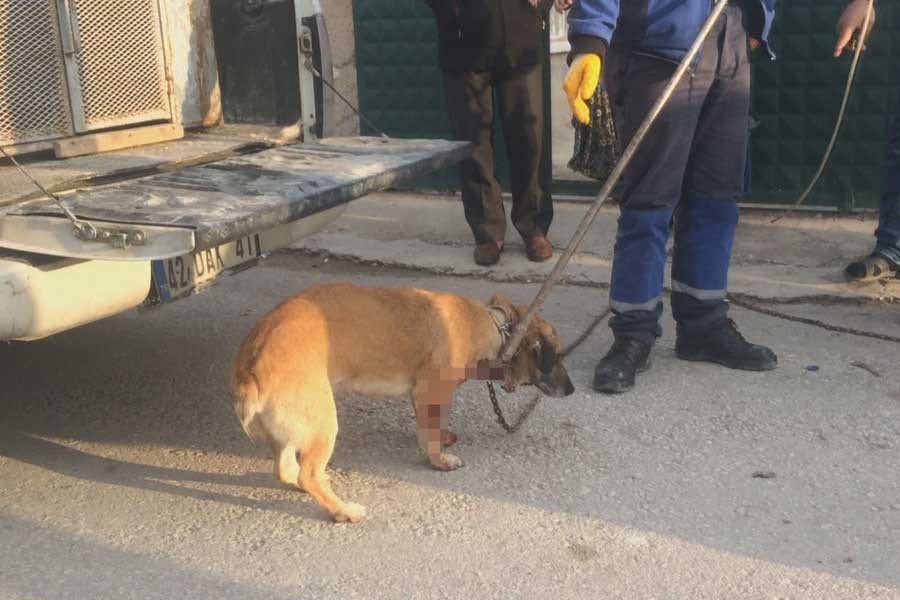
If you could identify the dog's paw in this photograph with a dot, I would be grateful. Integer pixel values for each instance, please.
(448, 438)
(447, 462)
(352, 513)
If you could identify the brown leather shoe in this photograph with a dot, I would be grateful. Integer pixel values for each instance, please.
(538, 248)
(488, 254)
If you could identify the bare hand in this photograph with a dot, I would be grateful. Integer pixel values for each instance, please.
(851, 23)
(563, 5)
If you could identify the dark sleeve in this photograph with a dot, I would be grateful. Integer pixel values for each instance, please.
(591, 26)
(547, 6)
(586, 44)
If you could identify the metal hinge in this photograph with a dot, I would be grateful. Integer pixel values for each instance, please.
(306, 40)
(118, 237)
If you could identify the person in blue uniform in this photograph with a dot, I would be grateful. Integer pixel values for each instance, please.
(687, 176)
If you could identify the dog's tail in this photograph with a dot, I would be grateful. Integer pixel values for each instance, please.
(245, 392)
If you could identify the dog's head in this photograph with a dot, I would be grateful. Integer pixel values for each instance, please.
(538, 361)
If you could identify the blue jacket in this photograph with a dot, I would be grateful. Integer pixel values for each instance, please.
(666, 28)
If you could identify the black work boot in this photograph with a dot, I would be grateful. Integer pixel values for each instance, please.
(616, 371)
(724, 345)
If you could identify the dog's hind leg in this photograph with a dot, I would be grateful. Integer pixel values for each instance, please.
(287, 470)
(315, 452)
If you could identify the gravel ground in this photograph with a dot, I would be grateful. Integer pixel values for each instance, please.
(125, 475)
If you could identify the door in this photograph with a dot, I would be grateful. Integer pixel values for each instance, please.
(115, 62)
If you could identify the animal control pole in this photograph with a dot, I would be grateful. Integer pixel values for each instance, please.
(603, 197)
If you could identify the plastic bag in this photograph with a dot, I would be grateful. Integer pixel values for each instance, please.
(596, 147)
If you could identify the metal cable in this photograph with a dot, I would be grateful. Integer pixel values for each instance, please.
(312, 69)
(82, 226)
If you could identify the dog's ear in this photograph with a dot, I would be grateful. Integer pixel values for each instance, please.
(545, 354)
(500, 300)
(505, 304)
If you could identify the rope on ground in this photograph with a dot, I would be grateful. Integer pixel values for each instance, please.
(586, 333)
(814, 322)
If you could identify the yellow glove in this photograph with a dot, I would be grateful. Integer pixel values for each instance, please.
(581, 83)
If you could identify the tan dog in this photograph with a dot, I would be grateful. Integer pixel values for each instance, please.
(377, 342)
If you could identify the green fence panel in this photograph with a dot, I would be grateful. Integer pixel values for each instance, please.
(796, 99)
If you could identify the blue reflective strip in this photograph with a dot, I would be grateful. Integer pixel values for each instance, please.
(704, 295)
(626, 307)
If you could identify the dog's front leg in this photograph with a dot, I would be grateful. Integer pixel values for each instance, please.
(432, 400)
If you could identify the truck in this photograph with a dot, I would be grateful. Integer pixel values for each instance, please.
(151, 146)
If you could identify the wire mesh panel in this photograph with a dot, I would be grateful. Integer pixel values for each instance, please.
(33, 101)
(120, 62)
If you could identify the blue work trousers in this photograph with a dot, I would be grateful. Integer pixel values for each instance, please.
(685, 179)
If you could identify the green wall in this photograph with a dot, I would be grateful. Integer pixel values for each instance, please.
(795, 98)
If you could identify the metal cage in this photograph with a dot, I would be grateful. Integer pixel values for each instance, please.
(75, 66)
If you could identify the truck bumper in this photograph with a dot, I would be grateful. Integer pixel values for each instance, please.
(44, 297)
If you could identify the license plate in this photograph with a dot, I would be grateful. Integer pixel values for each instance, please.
(181, 275)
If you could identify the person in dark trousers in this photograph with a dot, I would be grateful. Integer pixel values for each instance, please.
(884, 260)
(686, 177)
(488, 46)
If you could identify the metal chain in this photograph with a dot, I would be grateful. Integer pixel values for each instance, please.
(83, 227)
(532, 404)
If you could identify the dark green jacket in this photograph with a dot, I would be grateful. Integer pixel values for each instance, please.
(478, 35)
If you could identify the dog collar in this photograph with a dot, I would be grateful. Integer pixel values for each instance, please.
(504, 325)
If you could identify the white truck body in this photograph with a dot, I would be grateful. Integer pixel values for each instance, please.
(193, 138)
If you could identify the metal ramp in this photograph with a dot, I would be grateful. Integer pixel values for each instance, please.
(201, 207)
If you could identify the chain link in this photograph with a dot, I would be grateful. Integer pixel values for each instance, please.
(532, 404)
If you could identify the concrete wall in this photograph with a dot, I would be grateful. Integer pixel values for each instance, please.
(192, 62)
(339, 20)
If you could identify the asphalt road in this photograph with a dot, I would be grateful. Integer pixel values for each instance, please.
(123, 473)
